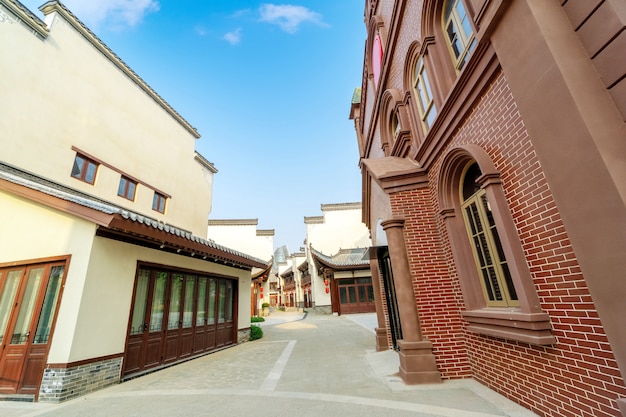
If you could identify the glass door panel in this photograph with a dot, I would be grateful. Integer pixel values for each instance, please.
(176, 292)
(44, 325)
(7, 299)
(221, 317)
(158, 302)
(201, 314)
(137, 324)
(25, 315)
(212, 294)
(190, 284)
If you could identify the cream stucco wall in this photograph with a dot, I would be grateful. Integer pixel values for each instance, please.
(34, 232)
(95, 305)
(60, 92)
(106, 302)
(242, 236)
(340, 227)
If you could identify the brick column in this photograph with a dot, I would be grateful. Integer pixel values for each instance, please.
(417, 361)
(382, 342)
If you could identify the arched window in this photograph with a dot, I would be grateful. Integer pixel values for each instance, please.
(458, 31)
(493, 269)
(423, 95)
(498, 289)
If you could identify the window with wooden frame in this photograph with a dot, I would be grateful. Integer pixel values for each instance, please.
(458, 31)
(395, 125)
(158, 202)
(84, 169)
(424, 95)
(127, 188)
(493, 270)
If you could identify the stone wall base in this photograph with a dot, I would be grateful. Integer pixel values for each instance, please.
(61, 384)
(243, 335)
(319, 310)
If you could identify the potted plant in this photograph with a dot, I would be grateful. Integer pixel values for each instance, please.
(266, 309)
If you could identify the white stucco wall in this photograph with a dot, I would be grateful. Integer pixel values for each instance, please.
(95, 305)
(36, 231)
(105, 306)
(61, 92)
(243, 237)
(340, 227)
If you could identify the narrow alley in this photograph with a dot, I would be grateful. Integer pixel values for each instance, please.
(305, 365)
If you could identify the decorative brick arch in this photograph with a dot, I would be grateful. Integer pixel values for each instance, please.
(527, 323)
(399, 145)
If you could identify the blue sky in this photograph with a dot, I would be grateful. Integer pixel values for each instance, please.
(267, 85)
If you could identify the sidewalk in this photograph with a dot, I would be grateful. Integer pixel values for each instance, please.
(303, 366)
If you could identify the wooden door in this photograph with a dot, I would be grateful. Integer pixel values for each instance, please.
(200, 331)
(28, 303)
(174, 318)
(138, 331)
(153, 342)
(187, 325)
(225, 306)
(211, 341)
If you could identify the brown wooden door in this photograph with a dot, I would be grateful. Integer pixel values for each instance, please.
(28, 303)
(187, 323)
(174, 318)
(200, 330)
(225, 306)
(211, 340)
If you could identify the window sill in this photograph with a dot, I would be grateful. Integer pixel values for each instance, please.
(532, 328)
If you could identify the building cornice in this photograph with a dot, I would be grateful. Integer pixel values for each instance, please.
(26, 17)
(233, 222)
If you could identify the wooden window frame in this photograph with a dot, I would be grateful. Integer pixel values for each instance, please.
(425, 102)
(124, 189)
(490, 248)
(159, 202)
(527, 322)
(81, 174)
(466, 40)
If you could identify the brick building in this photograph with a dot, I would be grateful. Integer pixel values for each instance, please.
(493, 148)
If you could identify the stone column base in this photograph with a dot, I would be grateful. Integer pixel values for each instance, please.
(417, 363)
(381, 339)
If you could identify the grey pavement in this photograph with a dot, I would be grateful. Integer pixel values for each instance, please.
(305, 365)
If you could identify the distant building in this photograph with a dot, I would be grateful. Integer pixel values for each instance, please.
(339, 228)
(493, 150)
(243, 235)
(105, 268)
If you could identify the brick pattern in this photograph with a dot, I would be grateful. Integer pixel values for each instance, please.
(61, 384)
(576, 377)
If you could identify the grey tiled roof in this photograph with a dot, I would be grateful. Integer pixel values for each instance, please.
(344, 258)
(43, 185)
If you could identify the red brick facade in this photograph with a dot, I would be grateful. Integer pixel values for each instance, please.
(560, 353)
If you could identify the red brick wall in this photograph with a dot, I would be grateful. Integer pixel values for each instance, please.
(576, 377)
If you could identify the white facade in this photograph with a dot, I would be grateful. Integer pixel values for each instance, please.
(63, 94)
(340, 227)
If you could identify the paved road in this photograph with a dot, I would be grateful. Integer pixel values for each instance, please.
(303, 366)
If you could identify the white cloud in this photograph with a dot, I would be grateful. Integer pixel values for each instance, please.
(233, 37)
(114, 12)
(289, 17)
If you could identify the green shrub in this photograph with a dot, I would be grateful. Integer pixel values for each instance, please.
(265, 305)
(256, 319)
(255, 332)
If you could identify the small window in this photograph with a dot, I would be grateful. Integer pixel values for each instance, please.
(493, 270)
(395, 125)
(158, 202)
(127, 188)
(424, 95)
(459, 33)
(84, 169)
